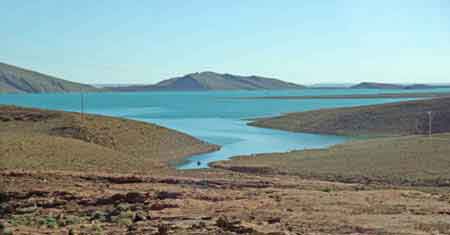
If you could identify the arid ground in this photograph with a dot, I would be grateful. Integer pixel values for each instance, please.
(61, 175)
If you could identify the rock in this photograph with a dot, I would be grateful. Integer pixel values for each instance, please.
(168, 195)
(163, 229)
(199, 225)
(135, 197)
(274, 220)
(131, 197)
(26, 210)
(5, 208)
(233, 226)
(140, 216)
(72, 232)
(99, 215)
(161, 206)
(3, 197)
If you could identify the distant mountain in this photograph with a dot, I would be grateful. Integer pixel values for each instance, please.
(18, 80)
(373, 85)
(331, 85)
(426, 86)
(213, 81)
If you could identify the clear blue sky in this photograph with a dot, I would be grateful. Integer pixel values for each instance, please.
(306, 42)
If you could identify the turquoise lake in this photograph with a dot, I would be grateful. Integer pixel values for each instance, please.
(216, 117)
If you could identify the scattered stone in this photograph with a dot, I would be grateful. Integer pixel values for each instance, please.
(140, 216)
(99, 215)
(274, 220)
(233, 226)
(72, 232)
(161, 206)
(3, 197)
(26, 210)
(135, 197)
(200, 225)
(5, 208)
(168, 195)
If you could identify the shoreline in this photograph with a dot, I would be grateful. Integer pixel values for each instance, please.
(356, 96)
(97, 143)
(379, 120)
(254, 198)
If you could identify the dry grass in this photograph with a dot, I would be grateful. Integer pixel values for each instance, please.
(50, 140)
(47, 203)
(402, 118)
(276, 201)
(411, 160)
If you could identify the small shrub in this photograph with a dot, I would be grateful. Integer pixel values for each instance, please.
(163, 229)
(71, 220)
(51, 222)
(125, 221)
(72, 232)
(4, 197)
(6, 231)
(327, 190)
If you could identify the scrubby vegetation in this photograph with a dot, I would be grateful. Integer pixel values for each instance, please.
(49, 140)
(407, 161)
(402, 118)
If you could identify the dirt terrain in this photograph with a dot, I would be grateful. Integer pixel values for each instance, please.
(79, 203)
(34, 139)
(60, 175)
(418, 161)
(400, 118)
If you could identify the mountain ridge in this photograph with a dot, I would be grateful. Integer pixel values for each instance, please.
(208, 80)
(15, 79)
(378, 85)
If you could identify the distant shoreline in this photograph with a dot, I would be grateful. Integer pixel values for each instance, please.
(356, 96)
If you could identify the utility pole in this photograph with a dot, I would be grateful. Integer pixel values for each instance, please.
(82, 106)
(430, 120)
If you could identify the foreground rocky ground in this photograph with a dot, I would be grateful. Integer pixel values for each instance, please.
(216, 203)
(59, 175)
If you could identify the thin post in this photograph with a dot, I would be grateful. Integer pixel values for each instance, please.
(82, 107)
(430, 124)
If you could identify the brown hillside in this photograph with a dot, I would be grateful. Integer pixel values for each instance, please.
(52, 140)
(401, 118)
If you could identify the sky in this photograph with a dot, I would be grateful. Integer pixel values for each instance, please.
(306, 42)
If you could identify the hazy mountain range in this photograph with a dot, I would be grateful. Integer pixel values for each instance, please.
(374, 85)
(18, 80)
(213, 81)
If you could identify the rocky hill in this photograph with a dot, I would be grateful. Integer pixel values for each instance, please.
(375, 85)
(213, 81)
(401, 118)
(18, 80)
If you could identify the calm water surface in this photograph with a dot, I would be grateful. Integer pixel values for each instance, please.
(215, 117)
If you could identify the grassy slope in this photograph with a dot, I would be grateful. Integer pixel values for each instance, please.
(401, 118)
(14, 79)
(410, 160)
(49, 140)
(400, 160)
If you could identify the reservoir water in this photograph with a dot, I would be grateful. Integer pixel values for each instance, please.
(216, 117)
